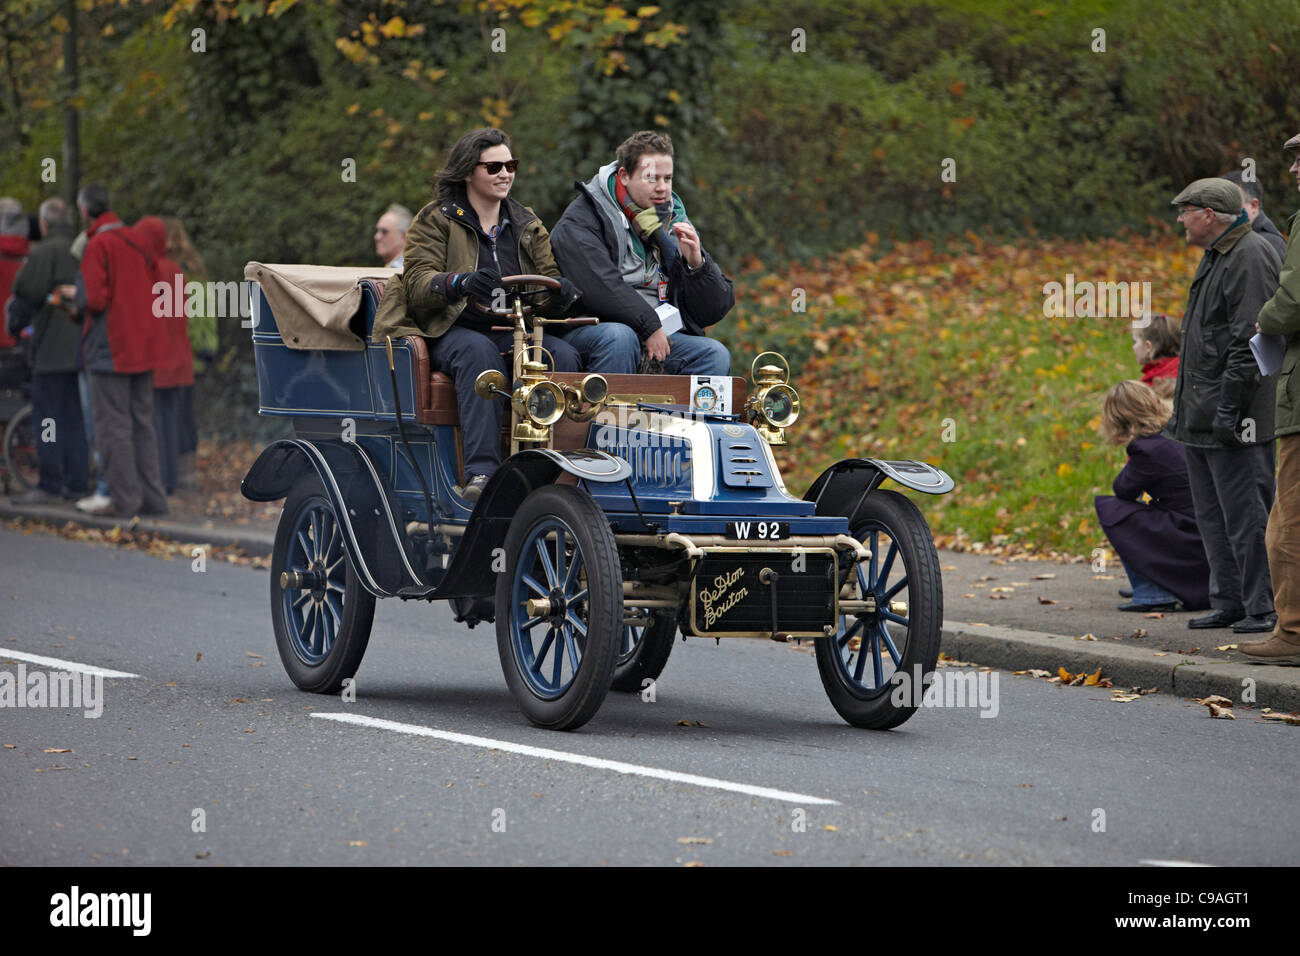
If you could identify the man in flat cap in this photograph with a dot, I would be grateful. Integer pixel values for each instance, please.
(1281, 316)
(1223, 410)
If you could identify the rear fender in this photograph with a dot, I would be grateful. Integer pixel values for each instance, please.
(841, 488)
(367, 510)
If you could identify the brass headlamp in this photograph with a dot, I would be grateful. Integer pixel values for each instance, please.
(774, 404)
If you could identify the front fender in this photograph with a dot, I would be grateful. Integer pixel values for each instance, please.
(471, 571)
(841, 488)
(373, 536)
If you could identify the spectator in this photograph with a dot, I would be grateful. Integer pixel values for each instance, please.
(44, 297)
(13, 251)
(121, 347)
(181, 251)
(1158, 543)
(1155, 346)
(390, 235)
(1252, 199)
(1281, 316)
(175, 369)
(1223, 411)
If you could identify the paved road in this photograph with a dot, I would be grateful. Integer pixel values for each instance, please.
(279, 782)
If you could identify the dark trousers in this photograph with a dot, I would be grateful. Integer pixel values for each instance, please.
(187, 432)
(462, 354)
(1232, 492)
(64, 460)
(166, 419)
(128, 445)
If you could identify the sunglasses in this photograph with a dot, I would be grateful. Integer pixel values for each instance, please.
(493, 168)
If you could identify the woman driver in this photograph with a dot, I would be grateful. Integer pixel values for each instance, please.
(457, 249)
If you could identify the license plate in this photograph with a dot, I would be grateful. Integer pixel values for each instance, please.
(758, 530)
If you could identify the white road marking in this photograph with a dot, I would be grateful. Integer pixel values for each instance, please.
(57, 664)
(1171, 863)
(598, 763)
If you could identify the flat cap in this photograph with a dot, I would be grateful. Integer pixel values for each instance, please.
(1293, 142)
(1219, 194)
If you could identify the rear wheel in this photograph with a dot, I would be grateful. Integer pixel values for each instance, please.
(320, 612)
(858, 664)
(559, 611)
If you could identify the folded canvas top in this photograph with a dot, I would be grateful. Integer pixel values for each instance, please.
(313, 305)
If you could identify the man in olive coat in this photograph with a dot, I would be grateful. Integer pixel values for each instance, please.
(1223, 410)
(1281, 316)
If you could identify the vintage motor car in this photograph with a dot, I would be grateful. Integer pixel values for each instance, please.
(627, 509)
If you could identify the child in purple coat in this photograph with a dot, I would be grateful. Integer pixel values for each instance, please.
(1158, 542)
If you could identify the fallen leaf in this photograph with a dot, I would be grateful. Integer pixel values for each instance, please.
(1103, 577)
(251, 654)
(1160, 654)
(1155, 614)
(998, 597)
(1043, 577)
(1223, 712)
(1001, 590)
(1043, 600)
(1085, 637)
(198, 657)
(695, 840)
(58, 750)
(968, 595)
(1036, 672)
(203, 855)
(1214, 699)
(692, 863)
(1226, 647)
(1292, 719)
(690, 723)
(783, 852)
(11, 746)
(356, 843)
(1065, 675)
(1124, 698)
(830, 827)
(1138, 632)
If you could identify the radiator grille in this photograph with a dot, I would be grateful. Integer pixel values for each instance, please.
(728, 596)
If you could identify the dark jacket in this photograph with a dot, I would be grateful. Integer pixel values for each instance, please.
(1264, 226)
(1217, 371)
(589, 245)
(117, 269)
(1159, 540)
(1281, 316)
(414, 302)
(56, 332)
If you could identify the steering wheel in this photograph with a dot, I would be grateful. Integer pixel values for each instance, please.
(513, 287)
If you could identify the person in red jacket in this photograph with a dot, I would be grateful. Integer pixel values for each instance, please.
(1155, 346)
(13, 253)
(122, 344)
(175, 368)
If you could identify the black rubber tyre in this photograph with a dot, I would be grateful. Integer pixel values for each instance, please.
(560, 548)
(644, 650)
(322, 628)
(20, 450)
(894, 528)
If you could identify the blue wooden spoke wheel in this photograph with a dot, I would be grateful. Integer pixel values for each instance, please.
(902, 580)
(320, 612)
(559, 614)
(646, 641)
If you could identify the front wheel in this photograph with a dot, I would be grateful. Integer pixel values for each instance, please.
(559, 607)
(648, 635)
(320, 612)
(902, 578)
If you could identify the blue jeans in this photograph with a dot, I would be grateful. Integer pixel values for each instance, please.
(87, 416)
(1146, 591)
(616, 348)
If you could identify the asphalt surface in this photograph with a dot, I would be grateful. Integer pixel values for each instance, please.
(212, 724)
